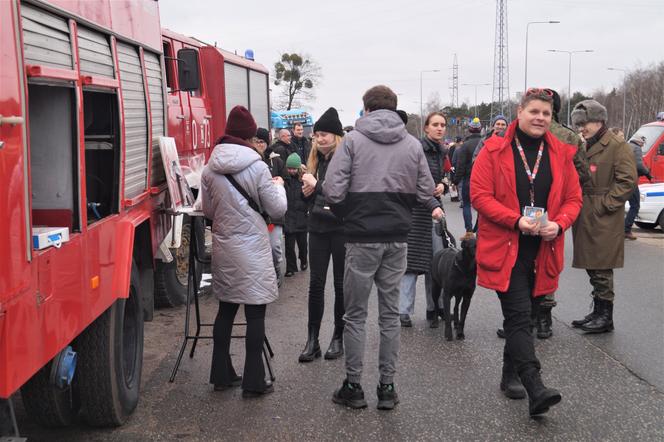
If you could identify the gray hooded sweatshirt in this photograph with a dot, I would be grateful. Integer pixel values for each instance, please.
(376, 177)
(242, 267)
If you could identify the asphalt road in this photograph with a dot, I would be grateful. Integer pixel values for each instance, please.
(612, 384)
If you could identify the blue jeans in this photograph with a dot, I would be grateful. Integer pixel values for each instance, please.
(634, 206)
(465, 197)
(409, 282)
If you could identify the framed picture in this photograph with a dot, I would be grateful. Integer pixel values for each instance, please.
(180, 193)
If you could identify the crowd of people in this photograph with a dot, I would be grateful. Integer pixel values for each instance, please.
(368, 198)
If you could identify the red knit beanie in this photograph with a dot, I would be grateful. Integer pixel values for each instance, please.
(240, 123)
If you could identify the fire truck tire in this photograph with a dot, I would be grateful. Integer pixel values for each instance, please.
(47, 404)
(170, 278)
(110, 360)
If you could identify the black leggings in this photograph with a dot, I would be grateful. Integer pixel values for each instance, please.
(516, 306)
(321, 247)
(222, 371)
(291, 259)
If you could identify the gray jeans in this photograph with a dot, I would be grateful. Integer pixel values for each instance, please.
(366, 263)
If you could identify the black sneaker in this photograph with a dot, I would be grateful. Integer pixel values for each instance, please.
(387, 396)
(350, 395)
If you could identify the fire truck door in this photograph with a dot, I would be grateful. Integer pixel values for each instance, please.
(177, 101)
(200, 114)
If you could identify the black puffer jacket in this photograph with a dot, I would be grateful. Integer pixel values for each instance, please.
(420, 249)
(298, 208)
(464, 163)
(277, 168)
(282, 149)
(318, 223)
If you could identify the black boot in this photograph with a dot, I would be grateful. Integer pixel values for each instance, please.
(589, 317)
(603, 321)
(312, 347)
(336, 348)
(510, 384)
(540, 398)
(433, 318)
(544, 323)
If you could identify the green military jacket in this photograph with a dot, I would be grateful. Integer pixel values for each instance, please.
(599, 231)
(568, 136)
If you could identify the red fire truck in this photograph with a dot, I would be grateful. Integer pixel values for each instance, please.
(86, 90)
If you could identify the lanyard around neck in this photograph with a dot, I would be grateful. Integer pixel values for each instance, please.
(531, 175)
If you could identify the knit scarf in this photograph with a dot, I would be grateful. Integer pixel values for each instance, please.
(598, 136)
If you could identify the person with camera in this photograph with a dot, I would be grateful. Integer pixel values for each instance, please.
(239, 193)
(326, 239)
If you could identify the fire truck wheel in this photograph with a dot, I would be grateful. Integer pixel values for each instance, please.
(48, 405)
(170, 278)
(110, 360)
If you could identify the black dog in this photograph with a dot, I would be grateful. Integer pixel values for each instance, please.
(454, 271)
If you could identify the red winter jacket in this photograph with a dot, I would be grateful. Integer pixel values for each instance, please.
(493, 194)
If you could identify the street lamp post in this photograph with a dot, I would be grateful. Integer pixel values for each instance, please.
(624, 71)
(421, 108)
(476, 85)
(569, 80)
(525, 79)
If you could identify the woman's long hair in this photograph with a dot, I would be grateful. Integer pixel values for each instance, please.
(312, 161)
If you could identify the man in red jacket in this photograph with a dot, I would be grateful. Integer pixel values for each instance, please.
(519, 254)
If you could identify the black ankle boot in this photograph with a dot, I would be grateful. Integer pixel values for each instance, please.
(603, 321)
(312, 347)
(433, 318)
(589, 317)
(544, 323)
(510, 384)
(336, 348)
(540, 398)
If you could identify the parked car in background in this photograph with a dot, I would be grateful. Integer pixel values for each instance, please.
(651, 213)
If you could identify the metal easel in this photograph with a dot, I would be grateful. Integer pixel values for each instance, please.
(196, 255)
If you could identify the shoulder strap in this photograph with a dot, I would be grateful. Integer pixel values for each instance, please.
(244, 193)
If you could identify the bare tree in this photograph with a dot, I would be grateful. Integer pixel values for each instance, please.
(298, 74)
(643, 94)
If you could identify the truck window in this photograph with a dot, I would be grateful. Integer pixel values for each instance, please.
(53, 156)
(651, 134)
(169, 63)
(102, 154)
(198, 92)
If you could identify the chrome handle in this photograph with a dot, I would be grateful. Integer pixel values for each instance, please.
(180, 117)
(13, 120)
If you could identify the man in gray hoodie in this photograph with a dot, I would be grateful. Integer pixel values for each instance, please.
(374, 179)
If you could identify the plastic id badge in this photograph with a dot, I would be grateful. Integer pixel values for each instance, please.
(535, 214)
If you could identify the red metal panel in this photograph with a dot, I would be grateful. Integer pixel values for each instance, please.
(49, 72)
(137, 20)
(93, 80)
(14, 215)
(213, 65)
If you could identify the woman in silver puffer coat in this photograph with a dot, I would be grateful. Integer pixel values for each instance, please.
(241, 252)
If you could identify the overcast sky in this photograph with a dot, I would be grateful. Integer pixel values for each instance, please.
(361, 43)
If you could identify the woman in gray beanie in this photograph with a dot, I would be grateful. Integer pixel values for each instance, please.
(598, 234)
